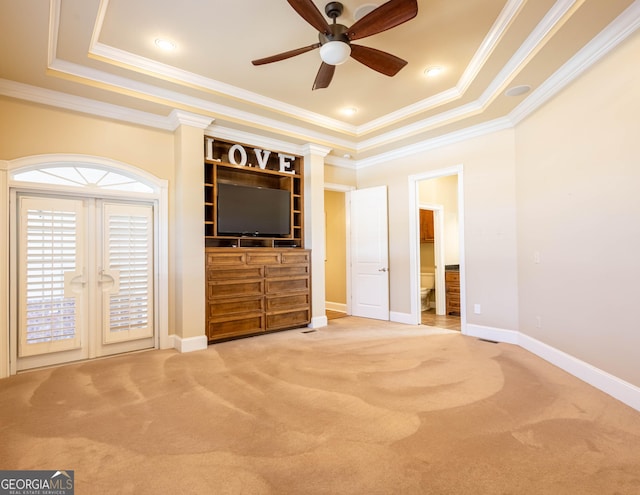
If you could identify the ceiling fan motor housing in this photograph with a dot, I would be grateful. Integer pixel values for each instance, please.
(333, 10)
(338, 33)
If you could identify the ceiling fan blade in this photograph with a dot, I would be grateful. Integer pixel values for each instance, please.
(324, 76)
(285, 55)
(388, 15)
(310, 13)
(380, 61)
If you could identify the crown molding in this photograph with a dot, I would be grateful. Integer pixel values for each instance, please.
(315, 150)
(178, 118)
(438, 142)
(66, 101)
(614, 34)
(341, 162)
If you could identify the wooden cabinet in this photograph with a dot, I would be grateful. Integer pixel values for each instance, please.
(251, 291)
(426, 226)
(452, 288)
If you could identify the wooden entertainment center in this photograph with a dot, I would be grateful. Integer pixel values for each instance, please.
(255, 283)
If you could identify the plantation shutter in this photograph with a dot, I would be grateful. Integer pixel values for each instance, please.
(126, 279)
(51, 275)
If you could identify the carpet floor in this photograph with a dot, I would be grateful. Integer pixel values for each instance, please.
(357, 407)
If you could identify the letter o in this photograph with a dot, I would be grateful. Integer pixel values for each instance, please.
(232, 155)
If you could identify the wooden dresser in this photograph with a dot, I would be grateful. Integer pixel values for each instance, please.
(452, 288)
(256, 290)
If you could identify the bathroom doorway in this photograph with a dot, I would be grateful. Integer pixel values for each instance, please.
(442, 254)
(432, 283)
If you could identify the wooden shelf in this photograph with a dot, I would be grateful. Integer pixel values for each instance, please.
(255, 284)
(217, 170)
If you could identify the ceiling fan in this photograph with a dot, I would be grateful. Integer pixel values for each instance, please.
(335, 39)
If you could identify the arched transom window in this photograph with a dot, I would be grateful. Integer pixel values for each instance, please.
(83, 176)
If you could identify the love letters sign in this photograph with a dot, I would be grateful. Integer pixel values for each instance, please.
(236, 154)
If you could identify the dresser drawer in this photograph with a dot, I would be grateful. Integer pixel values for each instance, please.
(274, 271)
(233, 327)
(290, 301)
(235, 288)
(452, 276)
(223, 273)
(288, 319)
(286, 285)
(263, 258)
(230, 306)
(230, 257)
(295, 256)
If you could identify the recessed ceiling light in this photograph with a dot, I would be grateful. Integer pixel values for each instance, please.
(165, 44)
(349, 111)
(433, 71)
(363, 10)
(518, 90)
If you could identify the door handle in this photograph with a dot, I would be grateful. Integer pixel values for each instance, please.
(74, 283)
(111, 277)
(382, 269)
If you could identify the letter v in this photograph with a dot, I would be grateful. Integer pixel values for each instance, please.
(262, 159)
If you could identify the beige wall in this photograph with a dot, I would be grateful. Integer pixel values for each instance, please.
(489, 219)
(29, 129)
(578, 189)
(336, 251)
(340, 175)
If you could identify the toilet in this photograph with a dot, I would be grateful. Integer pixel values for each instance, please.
(427, 283)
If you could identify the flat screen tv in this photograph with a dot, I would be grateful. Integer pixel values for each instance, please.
(253, 211)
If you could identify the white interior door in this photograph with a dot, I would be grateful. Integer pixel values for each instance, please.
(369, 253)
(70, 306)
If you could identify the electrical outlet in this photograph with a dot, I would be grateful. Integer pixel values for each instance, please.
(536, 257)
(476, 309)
(538, 321)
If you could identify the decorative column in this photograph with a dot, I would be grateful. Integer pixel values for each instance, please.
(187, 238)
(314, 228)
(4, 269)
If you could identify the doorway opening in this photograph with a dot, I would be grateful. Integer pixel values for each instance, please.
(337, 251)
(437, 257)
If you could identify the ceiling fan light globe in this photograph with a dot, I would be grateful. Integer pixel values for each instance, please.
(335, 52)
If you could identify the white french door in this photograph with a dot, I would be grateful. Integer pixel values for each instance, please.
(85, 279)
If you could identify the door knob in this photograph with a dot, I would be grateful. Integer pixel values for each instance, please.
(382, 269)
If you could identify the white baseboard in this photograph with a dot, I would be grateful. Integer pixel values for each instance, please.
(405, 318)
(334, 306)
(318, 322)
(189, 344)
(617, 388)
(612, 385)
(491, 333)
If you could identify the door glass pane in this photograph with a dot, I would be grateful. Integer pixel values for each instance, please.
(49, 275)
(128, 277)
